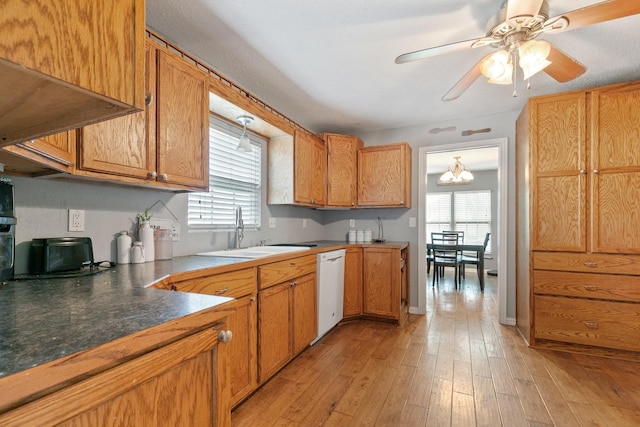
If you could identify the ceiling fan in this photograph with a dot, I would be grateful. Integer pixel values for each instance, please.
(514, 30)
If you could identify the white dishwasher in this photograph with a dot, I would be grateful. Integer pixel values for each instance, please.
(330, 270)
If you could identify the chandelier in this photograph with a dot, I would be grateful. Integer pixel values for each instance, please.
(458, 174)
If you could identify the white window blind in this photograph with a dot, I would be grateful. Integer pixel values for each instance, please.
(234, 180)
(473, 215)
(438, 213)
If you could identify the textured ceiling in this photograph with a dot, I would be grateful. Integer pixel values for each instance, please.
(329, 64)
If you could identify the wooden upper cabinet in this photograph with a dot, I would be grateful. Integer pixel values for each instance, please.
(342, 169)
(310, 169)
(384, 176)
(615, 169)
(182, 123)
(174, 126)
(559, 160)
(585, 164)
(67, 64)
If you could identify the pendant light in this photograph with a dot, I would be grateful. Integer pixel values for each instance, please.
(244, 144)
(458, 174)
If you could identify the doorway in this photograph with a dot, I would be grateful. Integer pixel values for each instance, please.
(501, 239)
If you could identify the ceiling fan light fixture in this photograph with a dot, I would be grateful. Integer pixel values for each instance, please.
(496, 65)
(244, 143)
(533, 57)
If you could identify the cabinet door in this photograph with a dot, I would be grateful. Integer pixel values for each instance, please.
(352, 282)
(342, 170)
(384, 176)
(274, 329)
(381, 282)
(558, 140)
(305, 314)
(243, 348)
(55, 151)
(122, 146)
(182, 123)
(309, 169)
(615, 173)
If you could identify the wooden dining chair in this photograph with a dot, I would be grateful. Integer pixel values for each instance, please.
(473, 259)
(445, 254)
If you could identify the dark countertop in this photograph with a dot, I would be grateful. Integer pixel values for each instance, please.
(45, 319)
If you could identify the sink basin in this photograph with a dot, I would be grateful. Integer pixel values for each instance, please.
(254, 251)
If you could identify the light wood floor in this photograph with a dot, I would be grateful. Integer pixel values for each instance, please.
(455, 366)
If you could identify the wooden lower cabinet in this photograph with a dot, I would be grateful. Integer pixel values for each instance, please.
(352, 283)
(287, 312)
(386, 283)
(181, 384)
(287, 323)
(241, 285)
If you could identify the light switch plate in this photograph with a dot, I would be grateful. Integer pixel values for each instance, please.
(412, 221)
(272, 223)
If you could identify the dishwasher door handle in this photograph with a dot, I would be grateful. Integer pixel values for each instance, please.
(334, 259)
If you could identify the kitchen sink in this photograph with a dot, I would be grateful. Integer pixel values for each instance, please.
(254, 251)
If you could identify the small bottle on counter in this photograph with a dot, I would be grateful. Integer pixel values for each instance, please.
(123, 245)
(352, 235)
(137, 253)
(146, 236)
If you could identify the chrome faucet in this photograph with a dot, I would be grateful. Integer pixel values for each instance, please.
(239, 232)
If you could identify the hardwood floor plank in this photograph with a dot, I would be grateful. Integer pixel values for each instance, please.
(356, 393)
(486, 403)
(511, 411)
(369, 408)
(501, 374)
(322, 408)
(393, 406)
(420, 388)
(531, 402)
(440, 404)
(558, 408)
(463, 413)
(462, 377)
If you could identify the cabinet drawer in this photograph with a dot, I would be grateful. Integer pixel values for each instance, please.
(585, 285)
(278, 272)
(597, 323)
(587, 263)
(234, 284)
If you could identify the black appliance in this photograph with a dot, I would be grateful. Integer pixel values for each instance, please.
(8, 223)
(60, 254)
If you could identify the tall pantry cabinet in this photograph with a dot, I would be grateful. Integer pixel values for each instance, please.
(578, 206)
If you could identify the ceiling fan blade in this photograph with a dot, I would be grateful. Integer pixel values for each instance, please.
(464, 83)
(523, 7)
(563, 67)
(434, 51)
(601, 12)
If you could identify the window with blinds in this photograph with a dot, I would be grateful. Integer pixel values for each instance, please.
(468, 211)
(234, 180)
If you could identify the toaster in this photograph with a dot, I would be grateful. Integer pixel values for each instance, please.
(56, 254)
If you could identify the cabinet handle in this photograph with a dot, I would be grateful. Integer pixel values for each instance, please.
(252, 299)
(590, 288)
(163, 177)
(292, 263)
(591, 325)
(583, 171)
(148, 98)
(590, 264)
(293, 283)
(152, 174)
(174, 288)
(222, 291)
(225, 336)
(596, 171)
(402, 202)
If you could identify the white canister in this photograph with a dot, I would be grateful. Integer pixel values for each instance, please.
(359, 236)
(137, 253)
(146, 236)
(367, 236)
(352, 235)
(163, 244)
(123, 246)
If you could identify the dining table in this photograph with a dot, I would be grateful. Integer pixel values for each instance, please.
(478, 248)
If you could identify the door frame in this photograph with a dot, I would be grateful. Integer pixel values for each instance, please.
(503, 173)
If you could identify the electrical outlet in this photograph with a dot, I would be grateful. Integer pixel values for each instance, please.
(76, 220)
(412, 221)
(304, 222)
(272, 223)
(352, 223)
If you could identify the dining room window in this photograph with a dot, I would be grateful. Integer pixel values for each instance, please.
(468, 211)
(234, 180)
